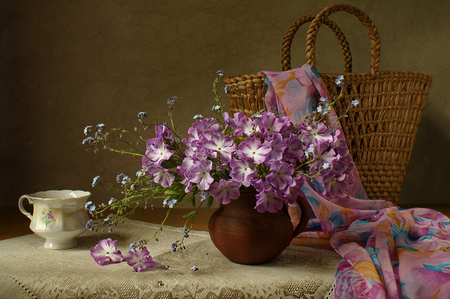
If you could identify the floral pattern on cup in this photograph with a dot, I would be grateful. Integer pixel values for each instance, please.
(47, 217)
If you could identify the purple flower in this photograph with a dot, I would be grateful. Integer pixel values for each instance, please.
(106, 250)
(294, 149)
(268, 201)
(322, 156)
(222, 144)
(241, 171)
(278, 146)
(335, 186)
(156, 152)
(252, 149)
(224, 191)
(163, 131)
(280, 174)
(269, 123)
(233, 122)
(200, 175)
(317, 133)
(140, 259)
(202, 125)
(161, 175)
(294, 190)
(244, 126)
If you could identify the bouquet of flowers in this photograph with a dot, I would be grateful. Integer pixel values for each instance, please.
(219, 157)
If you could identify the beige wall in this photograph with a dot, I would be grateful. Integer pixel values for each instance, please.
(66, 64)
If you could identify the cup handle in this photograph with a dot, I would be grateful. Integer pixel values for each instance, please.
(304, 207)
(22, 209)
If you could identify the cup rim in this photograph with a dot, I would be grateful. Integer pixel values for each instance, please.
(64, 194)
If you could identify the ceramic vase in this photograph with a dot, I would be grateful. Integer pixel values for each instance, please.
(245, 236)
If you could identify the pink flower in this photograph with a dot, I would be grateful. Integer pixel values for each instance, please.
(280, 174)
(317, 133)
(163, 131)
(140, 259)
(269, 123)
(106, 250)
(156, 152)
(252, 149)
(161, 175)
(225, 191)
(241, 172)
(201, 176)
(221, 144)
(268, 200)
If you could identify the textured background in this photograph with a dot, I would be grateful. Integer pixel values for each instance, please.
(66, 64)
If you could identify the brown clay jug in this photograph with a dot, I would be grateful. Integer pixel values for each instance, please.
(245, 236)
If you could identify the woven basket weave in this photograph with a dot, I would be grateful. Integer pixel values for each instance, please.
(380, 132)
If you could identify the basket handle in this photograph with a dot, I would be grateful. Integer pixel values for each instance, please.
(362, 16)
(287, 41)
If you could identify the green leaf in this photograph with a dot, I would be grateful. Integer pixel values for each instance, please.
(190, 215)
(209, 202)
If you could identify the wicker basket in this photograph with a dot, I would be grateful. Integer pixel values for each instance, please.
(246, 93)
(381, 131)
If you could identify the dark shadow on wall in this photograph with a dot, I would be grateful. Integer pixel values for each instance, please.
(424, 183)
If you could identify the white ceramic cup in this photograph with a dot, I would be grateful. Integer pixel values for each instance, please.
(58, 216)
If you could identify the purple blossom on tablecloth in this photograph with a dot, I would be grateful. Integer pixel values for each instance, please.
(140, 259)
(106, 251)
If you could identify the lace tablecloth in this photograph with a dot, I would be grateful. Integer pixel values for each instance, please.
(28, 270)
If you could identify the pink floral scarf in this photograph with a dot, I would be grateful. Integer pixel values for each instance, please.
(387, 252)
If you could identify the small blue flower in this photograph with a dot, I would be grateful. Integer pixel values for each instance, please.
(111, 201)
(89, 225)
(198, 116)
(172, 203)
(123, 179)
(216, 108)
(88, 140)
(160, 283)
(326, 165)
(220, 73)
(172, 101)
(339, 81)
(355, 103)
(226, 89)
(87, 205)
(194, 268)
(142, 115)
(95, 181)
(101, 128)
(87, 130)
